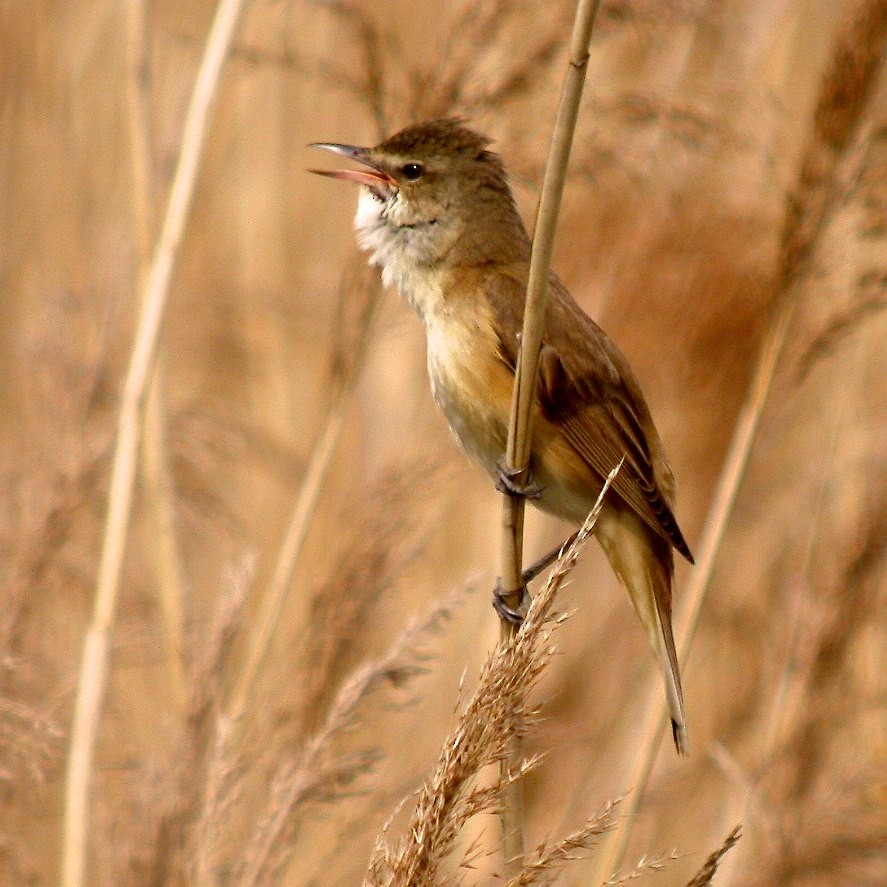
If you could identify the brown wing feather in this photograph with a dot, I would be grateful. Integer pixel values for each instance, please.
(588, 390)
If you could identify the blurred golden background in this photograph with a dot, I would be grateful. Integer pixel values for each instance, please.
(277, 351)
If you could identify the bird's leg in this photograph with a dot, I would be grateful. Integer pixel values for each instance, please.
(547, 560)
(516, 482)
(515, 615)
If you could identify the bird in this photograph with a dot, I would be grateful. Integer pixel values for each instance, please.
(437, 215)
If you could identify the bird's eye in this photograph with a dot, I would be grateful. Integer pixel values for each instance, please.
(412, 171)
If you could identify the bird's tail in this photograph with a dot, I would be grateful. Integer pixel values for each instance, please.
(661, 581)
(645, 565)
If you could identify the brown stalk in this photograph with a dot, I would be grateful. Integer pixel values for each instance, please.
(828, 173)
(517, 454)
(93, 675)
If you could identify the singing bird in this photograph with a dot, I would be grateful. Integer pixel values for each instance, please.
(437, 215)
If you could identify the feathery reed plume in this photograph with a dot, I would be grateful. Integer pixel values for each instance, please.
(807, 823)
(644, 865)
(541, 865)
(29, 742)
(705, 876)
(474, 70)
(203, 803)
(872, 298)
(498, 709)
(94, 668)
(827, 172)
(321, 774)
(370, 86)
(478, 69)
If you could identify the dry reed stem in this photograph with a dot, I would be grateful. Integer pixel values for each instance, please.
(517, 455)
(828, 173)
(497, 711)
(156, 473)
(94, 666)
(318, 773)
(160, 502)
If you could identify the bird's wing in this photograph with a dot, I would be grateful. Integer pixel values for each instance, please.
(588, 390)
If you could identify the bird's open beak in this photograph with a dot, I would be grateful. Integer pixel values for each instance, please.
(374, 178)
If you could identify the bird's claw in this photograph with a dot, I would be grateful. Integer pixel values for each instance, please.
(507, 613)
(512, 482)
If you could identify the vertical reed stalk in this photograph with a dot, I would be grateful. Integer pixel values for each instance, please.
(520, 429)
(94, 666)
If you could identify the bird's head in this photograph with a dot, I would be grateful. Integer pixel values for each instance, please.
(424, 188)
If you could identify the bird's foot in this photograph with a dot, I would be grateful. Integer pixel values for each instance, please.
(516, 482)
(507, 613)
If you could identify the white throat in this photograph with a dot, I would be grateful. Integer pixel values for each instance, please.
(407, 252)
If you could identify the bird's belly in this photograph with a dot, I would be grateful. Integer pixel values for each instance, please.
(472, 387)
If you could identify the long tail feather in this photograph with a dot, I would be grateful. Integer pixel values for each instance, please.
(645, 566)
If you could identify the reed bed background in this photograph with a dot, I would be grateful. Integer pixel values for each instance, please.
(303, 616)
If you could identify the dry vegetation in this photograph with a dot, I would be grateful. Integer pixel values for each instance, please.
(302, 687)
